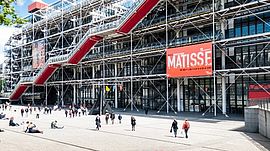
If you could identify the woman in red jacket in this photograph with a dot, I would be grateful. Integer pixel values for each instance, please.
(186, 127)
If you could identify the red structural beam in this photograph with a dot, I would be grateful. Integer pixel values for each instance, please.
(90, 42)
(139, 14)
(46, 74)
(18, 92)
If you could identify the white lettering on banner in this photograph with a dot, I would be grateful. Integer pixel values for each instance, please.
(184, 60)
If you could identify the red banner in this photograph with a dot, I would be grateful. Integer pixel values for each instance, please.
(259, 92)
(189, 61)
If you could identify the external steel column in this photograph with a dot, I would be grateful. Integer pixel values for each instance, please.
(33, 96)
(223, 63)
(167, 80)
(46, 94)
(178, 96)
(62, 86)
(214, 59)
(131, 78)
(115, 88)
(74, 87)
(93, 86)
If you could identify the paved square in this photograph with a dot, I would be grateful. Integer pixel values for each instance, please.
(152, 134)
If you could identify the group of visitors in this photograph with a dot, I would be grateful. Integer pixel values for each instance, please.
(112, 116)
(75, 111)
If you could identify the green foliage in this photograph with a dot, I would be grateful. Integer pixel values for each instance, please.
(8, 15)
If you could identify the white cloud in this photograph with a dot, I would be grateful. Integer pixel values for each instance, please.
(6, 32)
(20, 2)
(37, 1)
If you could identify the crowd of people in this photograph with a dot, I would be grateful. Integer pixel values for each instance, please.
(76, 111)
(72, 111)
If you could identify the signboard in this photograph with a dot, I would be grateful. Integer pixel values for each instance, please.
(38, 54)
(189, 61)
(259, 92)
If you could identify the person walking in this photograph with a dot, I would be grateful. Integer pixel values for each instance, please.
(112, 117)
(22, 111)
(174, 128)
(66, 113)
(107, 115)
(186, 127)
(119, 118)
(133, 123)
(38, 113)
(98, 122)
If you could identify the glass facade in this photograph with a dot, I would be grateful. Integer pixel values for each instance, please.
(108, 65)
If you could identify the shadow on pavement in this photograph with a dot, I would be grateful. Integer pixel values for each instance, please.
(191, 116)
(258, 140)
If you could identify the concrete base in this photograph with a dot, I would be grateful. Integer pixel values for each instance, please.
(264, 122)
(257, 120)
(252, 119)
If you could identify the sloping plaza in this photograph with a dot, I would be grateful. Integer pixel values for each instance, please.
(152, 134)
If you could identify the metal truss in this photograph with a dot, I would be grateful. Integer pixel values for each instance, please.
(112, 62)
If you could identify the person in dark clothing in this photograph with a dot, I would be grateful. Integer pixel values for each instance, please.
(31, 128)
(186, 127)
(22, 111)
(107, 115)
(1, 130)
(66, 112)
(3, 116)
(146, 110)
(12, 123)
(112, 117)
(174, 127)
(98, 122)
(50, 109)
(119, 118)
(133, 123)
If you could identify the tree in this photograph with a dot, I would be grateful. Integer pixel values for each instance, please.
(7, 13)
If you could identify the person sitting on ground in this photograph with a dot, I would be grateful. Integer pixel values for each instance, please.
(31, 128)
(1, 130)
(3, 116)
(12, 123)
(54, 125)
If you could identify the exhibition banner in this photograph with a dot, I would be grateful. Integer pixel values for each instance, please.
(189, 61)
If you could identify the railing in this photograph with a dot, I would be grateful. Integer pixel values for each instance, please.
(131, 9)
(265, 105)
(155, 45)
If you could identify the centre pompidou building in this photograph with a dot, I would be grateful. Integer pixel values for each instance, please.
(164, 55)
